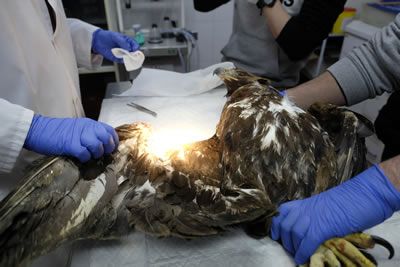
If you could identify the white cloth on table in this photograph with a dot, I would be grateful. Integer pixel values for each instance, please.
(200, 112)
(232, 248)
(154, 82)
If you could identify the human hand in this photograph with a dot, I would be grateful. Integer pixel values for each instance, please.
(360, 203)
(78, 137)
(103, 41)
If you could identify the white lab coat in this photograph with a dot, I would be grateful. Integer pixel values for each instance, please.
(38, 74)
(38, 70)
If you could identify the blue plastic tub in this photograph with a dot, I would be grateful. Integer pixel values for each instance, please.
(393, 8)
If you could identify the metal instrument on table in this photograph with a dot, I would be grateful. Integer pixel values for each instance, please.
(141, 108)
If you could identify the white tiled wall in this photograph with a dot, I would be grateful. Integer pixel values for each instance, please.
(214, 29)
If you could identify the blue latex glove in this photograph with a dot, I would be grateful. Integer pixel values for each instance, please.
(282, 93)
(78, 137)
(103, 41)
(360, 203)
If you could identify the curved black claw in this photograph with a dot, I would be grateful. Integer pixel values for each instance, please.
(369, 256)
(384, 243)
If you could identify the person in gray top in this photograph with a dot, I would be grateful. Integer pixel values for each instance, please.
(272, 38)
(372, 196)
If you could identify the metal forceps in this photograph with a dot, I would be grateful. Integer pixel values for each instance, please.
(141, 108)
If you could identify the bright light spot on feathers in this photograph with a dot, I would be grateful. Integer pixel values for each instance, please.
(163, 141)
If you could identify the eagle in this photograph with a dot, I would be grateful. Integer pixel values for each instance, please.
(265, 151)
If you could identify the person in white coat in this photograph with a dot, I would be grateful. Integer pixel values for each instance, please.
(40, 103)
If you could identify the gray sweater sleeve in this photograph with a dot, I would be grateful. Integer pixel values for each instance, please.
(373, 68)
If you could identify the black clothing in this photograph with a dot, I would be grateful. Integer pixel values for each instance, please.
(387, 126)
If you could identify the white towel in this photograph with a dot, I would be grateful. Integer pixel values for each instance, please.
(154, 82)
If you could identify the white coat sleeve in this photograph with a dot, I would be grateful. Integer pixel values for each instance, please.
(15, 122)
(82, 33)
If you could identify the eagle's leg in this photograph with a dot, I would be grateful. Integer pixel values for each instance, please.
(348, 251)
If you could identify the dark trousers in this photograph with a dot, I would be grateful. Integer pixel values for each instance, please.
(387, 126)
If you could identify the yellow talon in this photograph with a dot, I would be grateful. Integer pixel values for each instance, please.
(361, 240)
(345, 251)
(338, 247)
(324, 256)
(317, 260)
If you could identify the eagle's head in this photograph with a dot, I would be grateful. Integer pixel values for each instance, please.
(243, 86)
(236, 78)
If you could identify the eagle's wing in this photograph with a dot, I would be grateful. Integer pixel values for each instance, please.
(347, 130)
(50, 207)
(183, 196)
(272, 145)
(61, 200)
